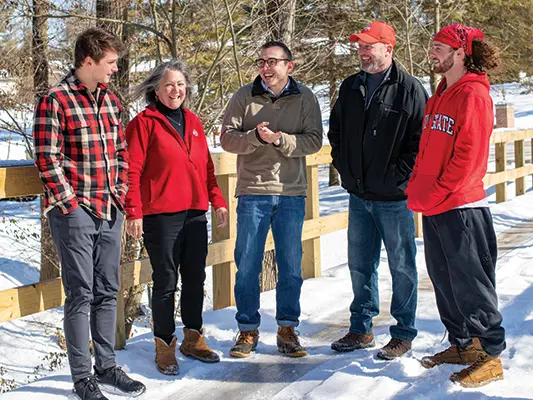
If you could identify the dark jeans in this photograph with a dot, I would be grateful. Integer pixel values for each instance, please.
(461, 254)
(176, 240)
(255, 216)
(370, 223)
(89, 253)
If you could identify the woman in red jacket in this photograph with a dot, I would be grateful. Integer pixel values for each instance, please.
(171, 183)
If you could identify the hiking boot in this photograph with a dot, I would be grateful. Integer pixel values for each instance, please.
(165, 356)
(394, 349)
(456, 355)
(246, 343)
(116, 379)
(194, 345)
(353, 341)
(288, 342)
(486, 370)
(87, 389)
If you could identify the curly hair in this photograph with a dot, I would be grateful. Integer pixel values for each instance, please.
(485, 56)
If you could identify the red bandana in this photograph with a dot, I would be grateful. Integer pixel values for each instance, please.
(458, 35)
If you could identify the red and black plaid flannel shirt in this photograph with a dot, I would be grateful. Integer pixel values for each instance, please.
(80, 148)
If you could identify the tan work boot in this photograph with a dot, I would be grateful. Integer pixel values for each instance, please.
(353, 341)
(194, 345)
(394, 349)
(456, 355)
(483, 372)
(288, 342)
(246, 343)
(165, 356)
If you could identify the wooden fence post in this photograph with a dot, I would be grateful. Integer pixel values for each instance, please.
(519, 161)
(418, 225)
(501, 165)
(224, 273)
(311, 247)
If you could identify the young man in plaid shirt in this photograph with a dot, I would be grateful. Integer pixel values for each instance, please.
(80, 151)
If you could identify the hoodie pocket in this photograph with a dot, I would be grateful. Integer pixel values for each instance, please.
(422, 196)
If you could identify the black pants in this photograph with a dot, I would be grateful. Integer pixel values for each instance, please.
(172, 240)
(461, 253)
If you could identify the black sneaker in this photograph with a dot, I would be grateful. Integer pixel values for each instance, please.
(115, 379)
(87, 389)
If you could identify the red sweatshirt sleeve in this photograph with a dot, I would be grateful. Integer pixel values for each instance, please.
(137, 137)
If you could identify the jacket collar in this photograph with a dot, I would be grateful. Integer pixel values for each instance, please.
(152, 111)
(258, 89)
(391, 76)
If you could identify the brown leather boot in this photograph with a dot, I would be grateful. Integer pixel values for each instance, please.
(456, 355)
(246, 343)
(394, 349)
(483, 372)
(288, 342)
(353, 341)
(194, 345)
(165, 356)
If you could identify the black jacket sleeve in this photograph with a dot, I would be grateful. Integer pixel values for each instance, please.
(334, 133)
(406, 159)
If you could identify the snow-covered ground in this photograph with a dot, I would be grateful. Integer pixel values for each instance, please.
(28, 346)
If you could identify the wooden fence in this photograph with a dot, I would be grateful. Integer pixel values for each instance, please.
(24, 181)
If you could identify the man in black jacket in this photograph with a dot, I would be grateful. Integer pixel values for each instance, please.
(374, 130)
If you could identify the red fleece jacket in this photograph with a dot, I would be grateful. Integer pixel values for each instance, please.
(454, 147)
(168, 174)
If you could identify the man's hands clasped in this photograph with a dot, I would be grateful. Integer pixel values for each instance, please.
(267, 135)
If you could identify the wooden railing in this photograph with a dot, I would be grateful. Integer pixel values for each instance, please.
(24, 181)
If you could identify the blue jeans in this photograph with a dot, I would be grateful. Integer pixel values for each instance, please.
(370, 223)
(255, 215)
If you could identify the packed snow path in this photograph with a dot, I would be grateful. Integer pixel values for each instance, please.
(325, 374)
(267, 373)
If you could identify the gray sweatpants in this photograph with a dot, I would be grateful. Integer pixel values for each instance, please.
(89, 254)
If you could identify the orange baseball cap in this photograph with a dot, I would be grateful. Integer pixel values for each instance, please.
(376, 32)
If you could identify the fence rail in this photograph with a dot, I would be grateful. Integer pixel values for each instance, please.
(24, 181)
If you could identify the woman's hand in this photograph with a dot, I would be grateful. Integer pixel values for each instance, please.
(222, 217)
(134, 228)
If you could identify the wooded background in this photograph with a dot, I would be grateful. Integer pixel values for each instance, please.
(219, 39)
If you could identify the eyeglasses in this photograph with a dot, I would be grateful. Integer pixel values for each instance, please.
(271, 62)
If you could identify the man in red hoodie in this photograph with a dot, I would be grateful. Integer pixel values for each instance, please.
(447, 188)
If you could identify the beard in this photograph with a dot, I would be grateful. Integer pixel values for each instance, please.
(371, 66)
(443, 66)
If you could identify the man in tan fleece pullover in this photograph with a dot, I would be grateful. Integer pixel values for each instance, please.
(272, 124)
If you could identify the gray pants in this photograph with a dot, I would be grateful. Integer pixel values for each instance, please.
(89, 253)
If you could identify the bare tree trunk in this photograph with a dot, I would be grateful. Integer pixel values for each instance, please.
(133, 295)
(121, 83)
(155, 17)
(49, 259)
(281, 19)
(436, 27)
(408, 37)
(39, 46)
(105, 9)
(123, 72)
(332, 89)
